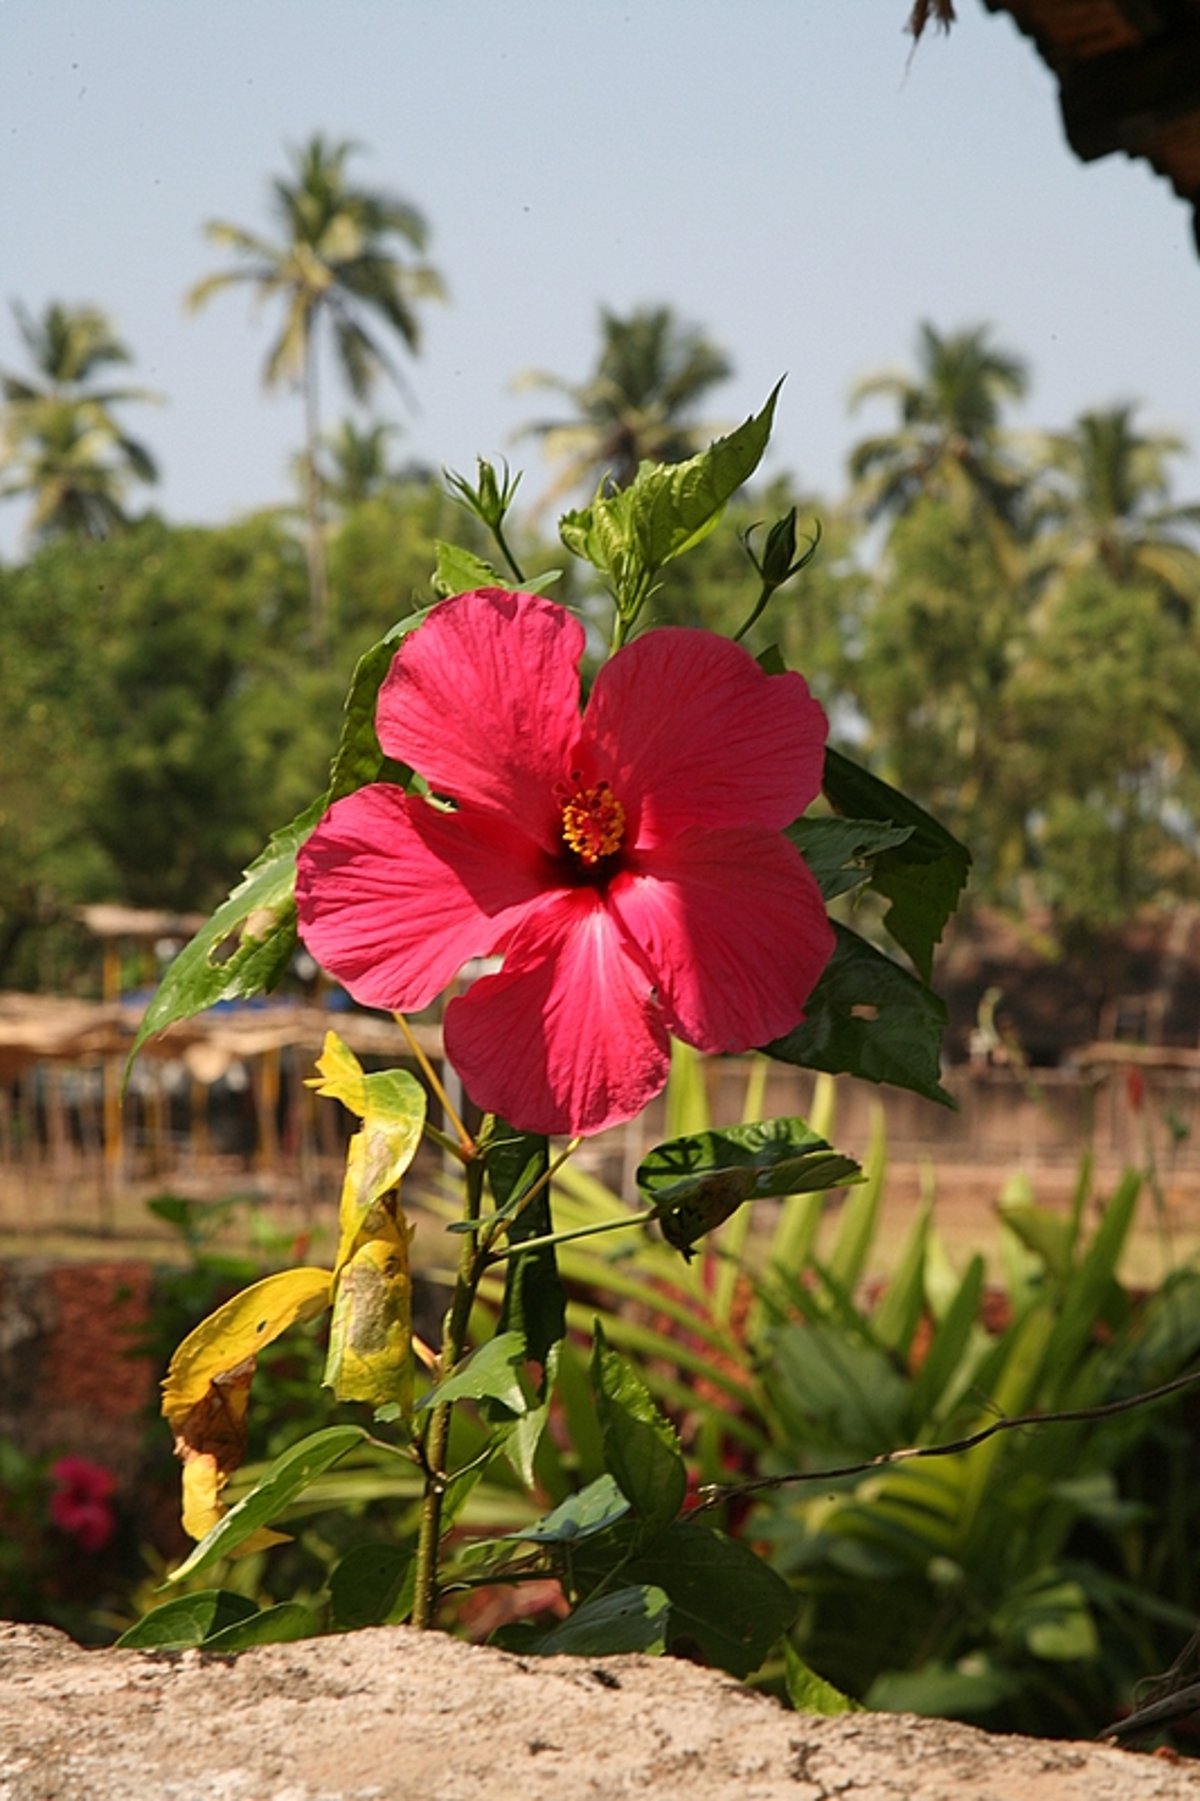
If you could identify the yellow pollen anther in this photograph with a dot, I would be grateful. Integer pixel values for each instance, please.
(593, 823)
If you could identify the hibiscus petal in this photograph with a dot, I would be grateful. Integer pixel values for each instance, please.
(689, 730)
(566, 1038)
(734, 928)
(483, 700)
(394, 895)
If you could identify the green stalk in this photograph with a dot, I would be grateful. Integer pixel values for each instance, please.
(436, 1442)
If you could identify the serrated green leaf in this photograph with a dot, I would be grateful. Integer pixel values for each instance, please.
(258, 919)
(923, 877)
(629, 536)
(282, 1624)
(840, 852)
(868, 1017)
(609, 1625)
(641, 1447)
(287, 1478)
(186, 1620)
(696, 1182)
(671, 506)
(373, 1585)
(488, 1374)
(810, 1693)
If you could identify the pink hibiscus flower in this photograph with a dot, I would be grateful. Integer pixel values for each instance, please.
(627, 862)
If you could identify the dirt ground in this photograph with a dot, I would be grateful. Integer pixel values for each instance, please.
(389, 1714)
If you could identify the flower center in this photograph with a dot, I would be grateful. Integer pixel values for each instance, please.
(593, 823)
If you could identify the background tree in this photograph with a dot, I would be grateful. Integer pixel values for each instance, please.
(340, 260)
(1107, 503)
(61, 444)
(640, 401)
(948, 442)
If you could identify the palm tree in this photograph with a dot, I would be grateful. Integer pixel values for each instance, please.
(949, 443)
(651, 374)
(357, 463)
(60, 442)
(337, 261)
(1107, 498)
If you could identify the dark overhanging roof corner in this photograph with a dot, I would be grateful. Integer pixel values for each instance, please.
(1129, 79)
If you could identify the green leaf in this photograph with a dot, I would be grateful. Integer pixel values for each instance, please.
(630, 535)
(373, 1585)
(359, 758)
(724, 1597)
(695, 1183)
(641, 1447)
(600, 1505)
(279, 1625)
(923, 876)
(840, 852)
(942, 1692)
(258, 920)
(868, 1017)
(287, 1477)
(458, 571)
(626, 1619)
(488, 1374)
(670, 505)
(810, 1693)
(535, 1304)
(187, 1620)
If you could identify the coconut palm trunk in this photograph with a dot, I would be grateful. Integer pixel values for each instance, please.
(318, 575)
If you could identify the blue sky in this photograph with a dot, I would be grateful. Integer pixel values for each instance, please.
(782, 174)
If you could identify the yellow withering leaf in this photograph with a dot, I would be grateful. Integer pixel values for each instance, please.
(207, 1391)
(391, 1105)
(370, 1336)
(240, 1329)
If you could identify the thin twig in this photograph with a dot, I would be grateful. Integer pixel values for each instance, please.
(712, 1494)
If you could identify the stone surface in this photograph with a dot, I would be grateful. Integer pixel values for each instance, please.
(389, 1714)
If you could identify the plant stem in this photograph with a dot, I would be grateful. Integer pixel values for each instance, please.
(466, 1142)
(505, 552)
(436, 1441)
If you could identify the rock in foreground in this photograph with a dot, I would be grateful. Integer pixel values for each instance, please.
(390, 1714)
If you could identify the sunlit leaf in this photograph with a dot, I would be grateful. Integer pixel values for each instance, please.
(810, 1693)
(697, 1182)
(594, 1508)
(370, 1335)
(630, 535)
(490, 1373)
(287, 1478)
(391, 1105)
(240, 1329)
(246, 945)
(282, 1624)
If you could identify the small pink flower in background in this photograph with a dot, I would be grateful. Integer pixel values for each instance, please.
(81, 1503)
(628, 863)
